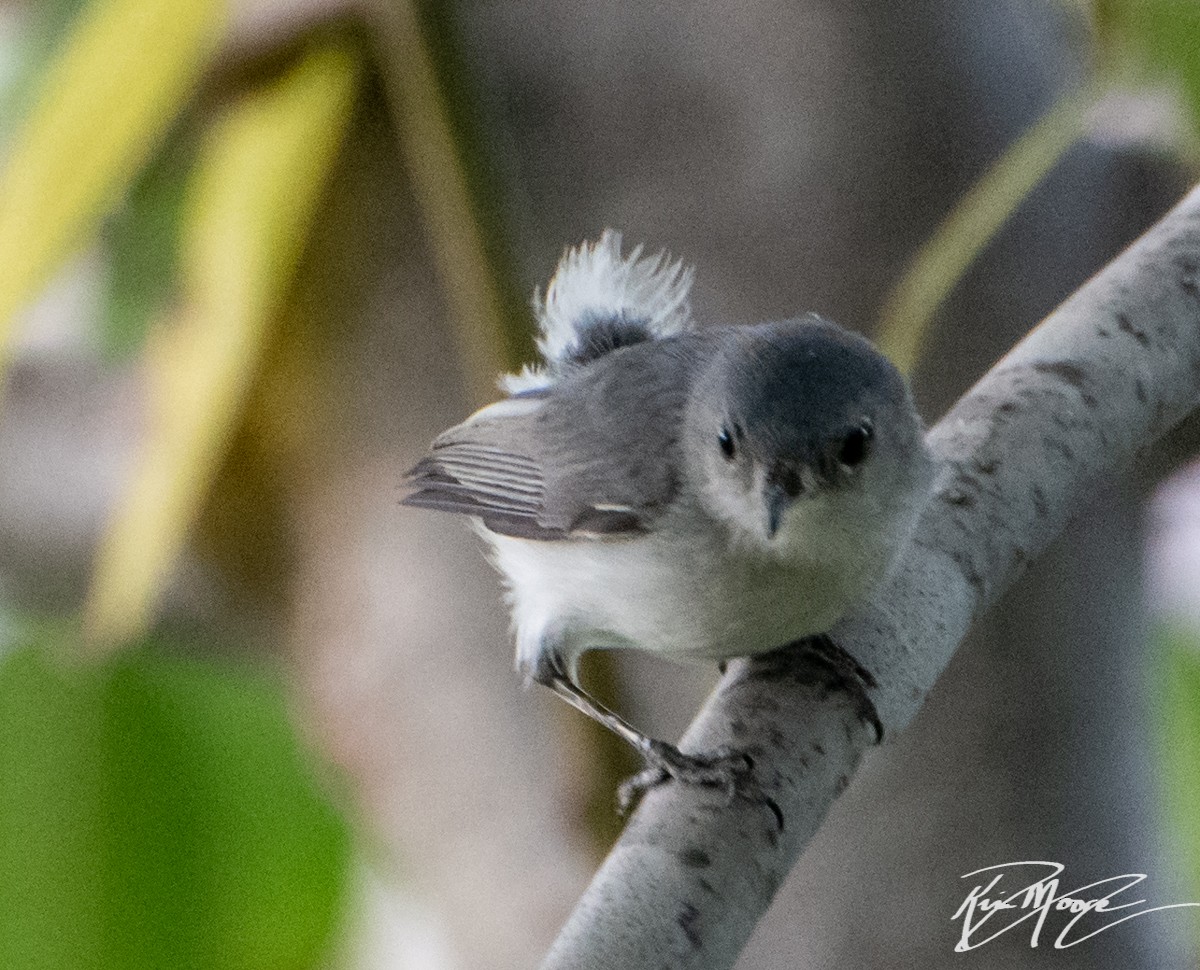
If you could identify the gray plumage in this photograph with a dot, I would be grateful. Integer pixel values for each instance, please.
(595, 454)
(599, 451)
(701, 493)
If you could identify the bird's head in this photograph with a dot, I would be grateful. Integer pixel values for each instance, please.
(799, 416)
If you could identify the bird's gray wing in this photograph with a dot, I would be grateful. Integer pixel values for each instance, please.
(594, 455)
(486, 467)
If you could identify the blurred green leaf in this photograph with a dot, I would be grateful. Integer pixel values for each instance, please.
(142, 240)
(105, 101)
(1157, 40)
(1179, 696)
(158, 813)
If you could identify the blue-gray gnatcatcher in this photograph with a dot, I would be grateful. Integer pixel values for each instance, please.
(697, 493)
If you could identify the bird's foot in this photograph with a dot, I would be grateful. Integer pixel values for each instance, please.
(857, 680)
(724, 768)
(845, 672)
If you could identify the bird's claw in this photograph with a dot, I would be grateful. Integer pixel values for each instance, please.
(631, 790)
(725, 768)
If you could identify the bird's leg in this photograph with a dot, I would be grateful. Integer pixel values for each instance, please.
(581, 700)
(723, 768)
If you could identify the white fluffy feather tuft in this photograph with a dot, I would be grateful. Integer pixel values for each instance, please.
(595, 280)
(526, 379)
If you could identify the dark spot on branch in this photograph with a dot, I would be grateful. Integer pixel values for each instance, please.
(1190, 288)
(1186, 264)
(986, 467)
(706, 886)
(970, 573)
(1123, 322)
(772, 835)
(686, 920)
(695, 858)
(1140, 389)
(1067, 373)
(1008, 407)
(1089, 402)
(842, 784)
(962, 499)
(1053, 444)
(1040, 505)
(818, 749)
(970, 482)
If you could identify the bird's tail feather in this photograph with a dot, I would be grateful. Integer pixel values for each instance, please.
(598, 301)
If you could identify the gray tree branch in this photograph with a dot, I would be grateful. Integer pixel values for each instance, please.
(1098, 382)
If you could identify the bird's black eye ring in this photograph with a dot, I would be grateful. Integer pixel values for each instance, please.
(725, 440)
(856, 445)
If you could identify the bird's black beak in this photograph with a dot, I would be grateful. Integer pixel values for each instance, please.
(777, 502)
(784, 485)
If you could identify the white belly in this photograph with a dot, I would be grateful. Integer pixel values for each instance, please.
(689, 597)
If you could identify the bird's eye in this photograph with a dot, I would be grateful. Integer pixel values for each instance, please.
(856, 445)
(725, 440)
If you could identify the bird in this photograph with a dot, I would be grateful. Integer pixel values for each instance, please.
(697, 492)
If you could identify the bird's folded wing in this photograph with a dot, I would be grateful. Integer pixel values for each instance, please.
(540, 468)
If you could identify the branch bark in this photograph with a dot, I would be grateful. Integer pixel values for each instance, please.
(1073, 405)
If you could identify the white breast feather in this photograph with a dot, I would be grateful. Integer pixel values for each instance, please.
(680, 592)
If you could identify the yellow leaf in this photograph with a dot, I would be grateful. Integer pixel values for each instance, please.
(122, 77)
(249, 205)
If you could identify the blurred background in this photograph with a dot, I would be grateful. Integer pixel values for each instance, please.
(256, 253)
